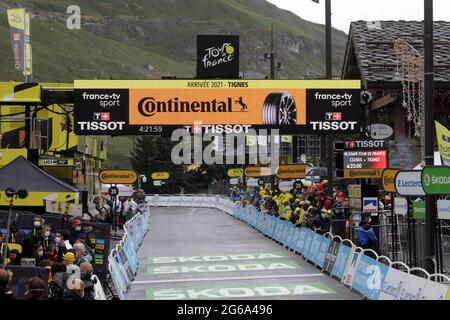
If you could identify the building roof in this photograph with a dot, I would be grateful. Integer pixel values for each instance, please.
(22, 174)
(373, 47)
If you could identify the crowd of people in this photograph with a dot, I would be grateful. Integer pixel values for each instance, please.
(66, 254)
(309, 207)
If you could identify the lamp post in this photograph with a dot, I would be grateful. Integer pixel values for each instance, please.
(430, 220)
(11, 194)
(329, 75)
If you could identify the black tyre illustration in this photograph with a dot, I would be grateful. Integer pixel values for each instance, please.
(279, 109)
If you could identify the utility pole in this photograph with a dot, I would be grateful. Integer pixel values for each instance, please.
(430, 220)
(329, 75)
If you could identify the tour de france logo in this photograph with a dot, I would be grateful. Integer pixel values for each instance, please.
(218, 55)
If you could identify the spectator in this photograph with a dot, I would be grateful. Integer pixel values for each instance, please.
(36, 232)
(86, 275)
(38, 250)
(45, 237)
(27, 256)
(78, 232)
(13, 256)
(35, 289)
(102, 214)
(47, 264)
(14, 235)
(56, 285)
(5, 292)
(51, 254)
(68, 259)
(74, 290)
(367, 237)
(81, 254)
(3, 246)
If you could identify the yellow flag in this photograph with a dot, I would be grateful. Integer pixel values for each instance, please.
(287, 139)
(443, 140)
(28, 55)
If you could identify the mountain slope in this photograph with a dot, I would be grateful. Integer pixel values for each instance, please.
(145, 39)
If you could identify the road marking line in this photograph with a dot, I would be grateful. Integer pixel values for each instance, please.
(231, 278)
(191, 213)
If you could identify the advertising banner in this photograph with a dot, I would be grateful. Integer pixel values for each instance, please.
(351, 269)
(400, 206)
(369, 277)
(301, 239)
(235, 173)
(19, 276)
(342, 260)
(117, 176)
(217, 56)
(255, 172)
(413, 288)
(443, 209)
(436, 180)
(28, 49)
(436, 291)
(388, 179)
(160, 175)
(308, 241)
(370, 205)
(330, 257)
(17, 21)
(289, 235)
(292, 171)
(408, 183)
(418, 209)
(443, 140)
(147, 107)
(320, 252)
(368, 164)
(393, 285)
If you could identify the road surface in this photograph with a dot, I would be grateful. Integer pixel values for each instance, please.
(206, 254)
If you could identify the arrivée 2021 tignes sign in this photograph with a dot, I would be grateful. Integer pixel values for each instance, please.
(135, 107)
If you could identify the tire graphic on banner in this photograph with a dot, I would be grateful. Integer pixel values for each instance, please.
(279, 109)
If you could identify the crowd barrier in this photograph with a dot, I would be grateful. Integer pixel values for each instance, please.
(375, 277)
(123, 263)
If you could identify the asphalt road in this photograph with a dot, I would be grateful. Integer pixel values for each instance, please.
(206, 254)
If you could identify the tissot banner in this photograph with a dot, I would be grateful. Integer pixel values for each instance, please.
(217, 56)
(149, 107)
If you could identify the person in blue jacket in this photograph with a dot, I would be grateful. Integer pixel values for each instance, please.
(367, 237)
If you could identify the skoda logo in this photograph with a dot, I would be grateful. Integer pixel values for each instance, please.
(427, 179)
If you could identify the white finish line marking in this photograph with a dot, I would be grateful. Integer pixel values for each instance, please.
(231, 278)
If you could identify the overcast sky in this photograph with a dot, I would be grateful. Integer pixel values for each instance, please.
(345, 11)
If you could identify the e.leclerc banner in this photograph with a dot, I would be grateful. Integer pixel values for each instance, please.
(147, 107)
(408, 183)
(436, 180)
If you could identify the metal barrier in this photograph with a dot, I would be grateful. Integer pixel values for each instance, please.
(374, 276)
(123, 263)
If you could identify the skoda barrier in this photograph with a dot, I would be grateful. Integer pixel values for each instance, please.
(374, 277)
(123, 263)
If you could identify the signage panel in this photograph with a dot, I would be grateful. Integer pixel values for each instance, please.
(408, 183)
(146, 107)
(117, 176)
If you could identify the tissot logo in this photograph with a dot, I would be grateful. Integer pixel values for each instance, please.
(101, 126)
(101, 116)
(337, 116)
(149, 106)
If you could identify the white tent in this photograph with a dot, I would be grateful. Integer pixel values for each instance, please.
(437, 161)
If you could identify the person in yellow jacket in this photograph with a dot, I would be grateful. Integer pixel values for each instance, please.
(287, 214)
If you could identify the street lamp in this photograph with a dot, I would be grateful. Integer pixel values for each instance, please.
(11, 194)
(329, 76)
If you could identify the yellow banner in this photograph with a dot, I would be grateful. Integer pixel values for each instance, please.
(362, 173)
(292, 171)
(443, 140)
(236, 172)
(36, 199)
(160, 175)
(117, 176)
(287, 139)
(28, 55)
(16, 18)
(388, 179)
(20, 92)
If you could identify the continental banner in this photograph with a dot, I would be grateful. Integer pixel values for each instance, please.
(149, 107)
(362, 173)
(443, 140)
(17, 21)
(294, 171)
